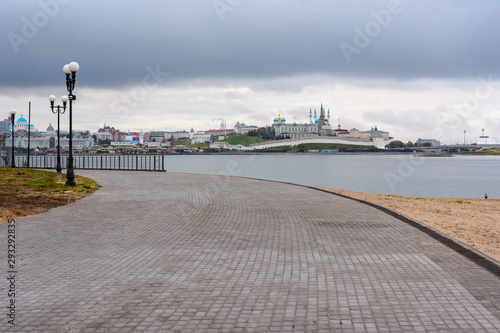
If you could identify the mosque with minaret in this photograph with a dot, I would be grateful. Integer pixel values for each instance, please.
(321, 126)
(317, 126)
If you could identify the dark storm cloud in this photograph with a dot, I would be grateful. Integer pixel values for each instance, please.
(116, 41)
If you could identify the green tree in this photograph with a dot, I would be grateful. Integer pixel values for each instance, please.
(104, 142)
(264, 133)
(396, 144)
(253, 133)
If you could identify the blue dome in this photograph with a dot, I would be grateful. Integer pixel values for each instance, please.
(22, 120)
(283, 120)
(275, 119)
(317, 121)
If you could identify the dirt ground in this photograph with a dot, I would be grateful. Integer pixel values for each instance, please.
(14, 207)
(476, 222)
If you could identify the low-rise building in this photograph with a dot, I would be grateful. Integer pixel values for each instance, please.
(176, 136)
(201, 138)
(218, 134)
(157, 136)
(106, 132)
(243, 129)
(102, 136)
(4, 124)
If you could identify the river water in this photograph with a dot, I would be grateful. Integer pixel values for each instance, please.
(407, 175)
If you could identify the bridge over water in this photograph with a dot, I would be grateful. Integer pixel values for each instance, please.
(379, 143)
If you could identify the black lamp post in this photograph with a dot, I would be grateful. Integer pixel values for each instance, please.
(29, 135)
(12, 118)
(70, 71)
(59, 110)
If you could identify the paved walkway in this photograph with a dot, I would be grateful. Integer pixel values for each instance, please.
(162, 252)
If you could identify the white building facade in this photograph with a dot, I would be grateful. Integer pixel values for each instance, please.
(294, 131)
(47, 139)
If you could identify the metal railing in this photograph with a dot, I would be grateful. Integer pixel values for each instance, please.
(94, 162)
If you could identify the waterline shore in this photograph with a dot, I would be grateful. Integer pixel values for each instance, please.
(476, 222)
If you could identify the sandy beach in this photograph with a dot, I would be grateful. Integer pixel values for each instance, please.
(476, 222)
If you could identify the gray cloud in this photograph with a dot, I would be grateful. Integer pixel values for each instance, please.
(114, 41)
(415, 119)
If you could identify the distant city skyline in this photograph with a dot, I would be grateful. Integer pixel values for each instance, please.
(413, 68)
(314, 115)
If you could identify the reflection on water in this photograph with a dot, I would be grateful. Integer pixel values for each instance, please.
(456, 177)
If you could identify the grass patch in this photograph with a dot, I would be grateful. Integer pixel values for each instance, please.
(199, 145)
(25, 192)
(407, 198)
(490, 151)
(182, 143)
(461, 202)
(243, 140)
(43, 182)
(434, 155)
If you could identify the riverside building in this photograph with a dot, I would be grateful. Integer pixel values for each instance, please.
(47, 139)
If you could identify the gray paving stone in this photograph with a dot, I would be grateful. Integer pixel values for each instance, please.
(153, 252)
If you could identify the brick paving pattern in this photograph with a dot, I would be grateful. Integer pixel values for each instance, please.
(162, 252)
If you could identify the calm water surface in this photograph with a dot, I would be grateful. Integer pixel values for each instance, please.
(454, 177)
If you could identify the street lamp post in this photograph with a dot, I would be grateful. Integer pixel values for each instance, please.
(59, 110)
(29, 135)
(70, 71)
(12, 118)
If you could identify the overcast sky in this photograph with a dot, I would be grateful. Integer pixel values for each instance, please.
(424, 69)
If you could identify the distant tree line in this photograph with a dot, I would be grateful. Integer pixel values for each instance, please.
(267, 133)
(399, 144)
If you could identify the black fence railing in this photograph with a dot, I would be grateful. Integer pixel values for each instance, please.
(92, 162)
